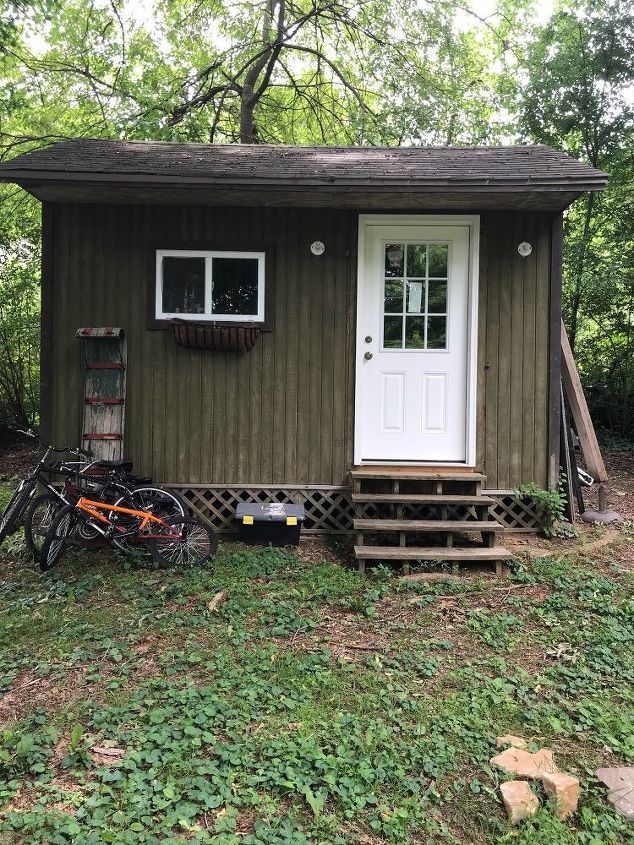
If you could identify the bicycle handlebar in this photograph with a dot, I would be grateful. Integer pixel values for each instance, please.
(74, 450)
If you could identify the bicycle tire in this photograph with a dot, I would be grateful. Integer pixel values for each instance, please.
(150, 498)
(196, 544)
(56, 539)
(38, 518)
(10, 517)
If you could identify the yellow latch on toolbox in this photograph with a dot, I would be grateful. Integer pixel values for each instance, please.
(247, 520)
(291, 520)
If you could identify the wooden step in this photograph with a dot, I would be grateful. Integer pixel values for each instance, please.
(414, 475)
(426, 526)
(431, 553)
(421, 499)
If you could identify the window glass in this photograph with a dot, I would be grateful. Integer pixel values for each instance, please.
(234, 285)
(210, 285)
(393, 296)
(416, 260)
(393, 332)
(415, 295)
(183, 285)
(415, 333)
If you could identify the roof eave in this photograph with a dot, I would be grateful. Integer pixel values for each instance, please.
(31, 178)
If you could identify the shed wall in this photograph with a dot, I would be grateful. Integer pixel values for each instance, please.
(281, 413)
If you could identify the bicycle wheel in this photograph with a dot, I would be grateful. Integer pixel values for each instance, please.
(10, 518)
(38, 518)
(57, 537)
(155, 500)
(190, 543)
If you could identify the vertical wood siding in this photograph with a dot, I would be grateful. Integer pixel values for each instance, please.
(283, 412)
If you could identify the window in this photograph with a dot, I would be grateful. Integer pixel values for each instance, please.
(415, 295)
(210, 285)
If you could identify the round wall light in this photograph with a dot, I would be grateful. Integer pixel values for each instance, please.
(317, 248)
(525, 249)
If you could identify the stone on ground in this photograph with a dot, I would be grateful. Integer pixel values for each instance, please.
(564, 789)
(519, 799)
(620, 782)
(513, 741)
(516, 761)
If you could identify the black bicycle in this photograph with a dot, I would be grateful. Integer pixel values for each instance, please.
(11, 517)
(110, 481)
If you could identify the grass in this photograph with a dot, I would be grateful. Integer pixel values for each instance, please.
(311, 706)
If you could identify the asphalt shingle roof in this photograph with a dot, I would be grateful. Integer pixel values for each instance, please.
(526, 167)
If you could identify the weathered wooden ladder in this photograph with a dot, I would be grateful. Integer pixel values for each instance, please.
(410, 508)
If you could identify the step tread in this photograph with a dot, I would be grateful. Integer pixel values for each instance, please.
(431, 553)
(422, 499)
(412, 475)
(426, 525)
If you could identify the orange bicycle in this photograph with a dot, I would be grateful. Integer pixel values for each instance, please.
(172, 541)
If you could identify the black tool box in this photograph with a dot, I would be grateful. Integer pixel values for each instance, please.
(270, 523)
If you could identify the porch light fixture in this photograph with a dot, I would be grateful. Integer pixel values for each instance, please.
(317, 248)
(525, 249)
(395, 255)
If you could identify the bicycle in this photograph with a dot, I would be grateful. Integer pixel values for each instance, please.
(173, 540)
(111, 480)
(22, 495)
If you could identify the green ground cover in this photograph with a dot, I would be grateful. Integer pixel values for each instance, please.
(311, 705)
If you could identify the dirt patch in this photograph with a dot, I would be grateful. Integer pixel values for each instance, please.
(332, 549)
(16, 459)
(29, 691)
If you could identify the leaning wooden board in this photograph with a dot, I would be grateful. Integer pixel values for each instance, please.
(580, 412)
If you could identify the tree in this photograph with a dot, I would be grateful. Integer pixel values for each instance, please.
(580, 69)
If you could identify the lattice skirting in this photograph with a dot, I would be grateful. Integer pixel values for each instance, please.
(329, 509)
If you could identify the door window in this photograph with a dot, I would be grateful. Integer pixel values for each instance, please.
(415, 295)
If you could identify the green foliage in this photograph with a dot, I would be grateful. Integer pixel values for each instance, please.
(550, 504)
(291, 713)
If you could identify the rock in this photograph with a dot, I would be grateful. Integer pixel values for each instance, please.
(516, 761)
(513, 741)
(519, 799)
(564, 789)
(217, 600)
(620, 782)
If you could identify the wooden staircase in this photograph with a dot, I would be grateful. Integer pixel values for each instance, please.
(417, 515)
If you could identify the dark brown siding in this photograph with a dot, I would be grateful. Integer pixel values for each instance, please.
(514, 325)
(282, 413)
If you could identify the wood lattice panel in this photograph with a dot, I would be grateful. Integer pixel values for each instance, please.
(515, 514)
(329, 509)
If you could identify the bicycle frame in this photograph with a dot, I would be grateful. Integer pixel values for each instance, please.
(92, 508)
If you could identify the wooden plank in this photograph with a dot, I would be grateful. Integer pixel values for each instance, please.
(542, 331)
(430, 553)
(422, 499)
(483, 287)
(580, 412)
(522, 230)
(554, 351)
(424, 525)
(417, 474)
(506, 353)
(526, 448)
(491, 339)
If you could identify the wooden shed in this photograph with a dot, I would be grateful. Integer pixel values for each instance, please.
(372, 332)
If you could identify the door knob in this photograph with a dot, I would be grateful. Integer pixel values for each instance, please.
(368, 339)
(367, 356)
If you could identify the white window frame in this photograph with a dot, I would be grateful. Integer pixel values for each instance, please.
(208, 255)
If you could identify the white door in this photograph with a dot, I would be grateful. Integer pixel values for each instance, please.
(415, 392)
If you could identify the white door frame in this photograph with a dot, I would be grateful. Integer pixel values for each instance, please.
(473, 222)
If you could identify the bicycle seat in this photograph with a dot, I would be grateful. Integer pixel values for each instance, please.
(124, 465)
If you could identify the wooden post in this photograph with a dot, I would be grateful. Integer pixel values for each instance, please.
(580, 412)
